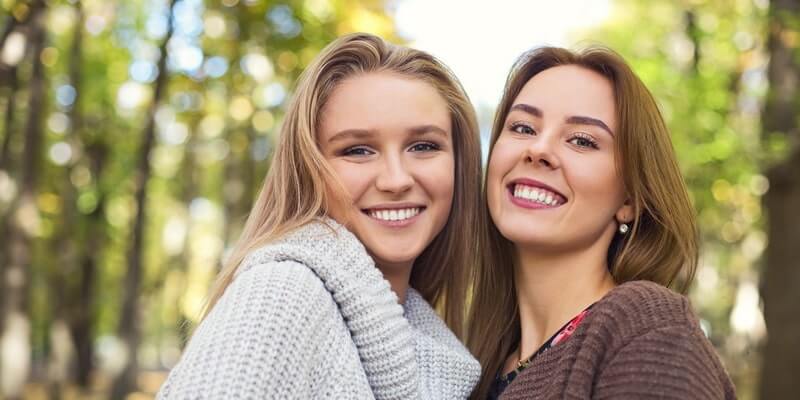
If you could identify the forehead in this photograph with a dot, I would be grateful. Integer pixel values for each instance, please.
(383, 101)
(570, 90)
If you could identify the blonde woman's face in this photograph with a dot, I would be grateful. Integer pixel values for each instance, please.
(552, 181)
(389, 139)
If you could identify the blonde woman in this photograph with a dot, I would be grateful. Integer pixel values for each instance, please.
(589, 223)
(364, 225)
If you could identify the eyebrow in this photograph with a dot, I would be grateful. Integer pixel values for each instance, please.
(574, 120)
(366, 133)
(580, 120)
(351, 133)
(423, 129)
(528, 109)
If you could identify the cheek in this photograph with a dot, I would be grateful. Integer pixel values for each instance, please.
(354, 177)
(501, 162)
(597, 181)
(437, 178)
(441, 177)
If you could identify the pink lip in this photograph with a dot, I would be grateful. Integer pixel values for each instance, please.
(532, 204)
(393, 206)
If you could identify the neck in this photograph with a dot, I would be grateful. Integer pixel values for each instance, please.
(398, 275)
(554, 288)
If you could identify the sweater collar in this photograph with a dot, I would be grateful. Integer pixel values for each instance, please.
(370, 309)
(462, 371)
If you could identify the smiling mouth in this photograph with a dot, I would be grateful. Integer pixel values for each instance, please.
(393, 214)
(536, 195)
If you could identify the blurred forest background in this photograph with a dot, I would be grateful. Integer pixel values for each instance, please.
(134, 135)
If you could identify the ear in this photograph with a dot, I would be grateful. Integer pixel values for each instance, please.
(625, 213)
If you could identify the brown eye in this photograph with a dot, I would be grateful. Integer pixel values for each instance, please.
(583, 141)
(522, 129)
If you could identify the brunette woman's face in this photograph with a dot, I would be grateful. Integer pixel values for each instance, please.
(389, 139)
(552, 182)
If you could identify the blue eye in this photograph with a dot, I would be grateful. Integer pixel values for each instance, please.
(357, 151)
(521, 128)
(424, 146)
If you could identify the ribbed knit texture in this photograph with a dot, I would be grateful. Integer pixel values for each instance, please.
(640, 341)
(309, 316)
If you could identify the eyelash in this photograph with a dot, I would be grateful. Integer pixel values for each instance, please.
(515, 125)
(351, 151)
(364, 151)
(583, 136)
(429, 146)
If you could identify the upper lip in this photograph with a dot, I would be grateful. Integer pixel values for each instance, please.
(535, 183)
(394, 206)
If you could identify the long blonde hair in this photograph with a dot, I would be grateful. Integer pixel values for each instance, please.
(662, 244)
(300, 185)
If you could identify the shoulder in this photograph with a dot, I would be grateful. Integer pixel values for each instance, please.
(282, 300)
(321, 241)
(645, 294)
(288, 275)
(638, 307)
(269, 320)
(274, 290)
(653, 330)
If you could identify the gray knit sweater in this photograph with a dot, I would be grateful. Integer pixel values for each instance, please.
(310, 316)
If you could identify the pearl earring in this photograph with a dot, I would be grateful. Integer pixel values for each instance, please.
(623, 228)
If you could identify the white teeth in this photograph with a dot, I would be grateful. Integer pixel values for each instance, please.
(394, 215)
(538, 195)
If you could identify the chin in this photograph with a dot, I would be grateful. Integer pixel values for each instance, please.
(518, 229)
(532, 242)
(386, 258)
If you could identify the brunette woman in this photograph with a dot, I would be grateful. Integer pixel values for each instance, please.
(590, 223)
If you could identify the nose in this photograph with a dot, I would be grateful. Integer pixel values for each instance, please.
(541, 152)
(394, 176)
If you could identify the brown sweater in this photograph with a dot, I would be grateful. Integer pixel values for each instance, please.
(639, 341)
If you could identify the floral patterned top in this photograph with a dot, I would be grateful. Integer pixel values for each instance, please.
(501, 382)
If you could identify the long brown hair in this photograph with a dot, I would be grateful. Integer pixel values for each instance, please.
(300, 185)
(662, 244)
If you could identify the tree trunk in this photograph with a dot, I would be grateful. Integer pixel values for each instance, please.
(15, 350)
(64, 276)
(232, 189)
(7, 71)
(5, 164)
(8, 27)
(82, 326)
(129, 329)
(8, 119)
(781, 276)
